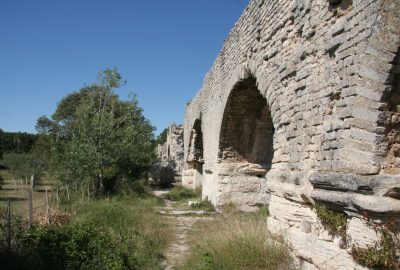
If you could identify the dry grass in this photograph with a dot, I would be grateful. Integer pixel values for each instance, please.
(237, 241)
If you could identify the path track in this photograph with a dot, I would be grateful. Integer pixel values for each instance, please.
(182, 220)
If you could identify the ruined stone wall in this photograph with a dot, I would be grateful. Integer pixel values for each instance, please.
(326, 74)
(172, 150)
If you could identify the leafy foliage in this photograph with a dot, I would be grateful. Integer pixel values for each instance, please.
(97, 137)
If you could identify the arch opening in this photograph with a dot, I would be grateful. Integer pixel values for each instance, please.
(247, 129)
(195, 156)
(392, 164)
(394, 97)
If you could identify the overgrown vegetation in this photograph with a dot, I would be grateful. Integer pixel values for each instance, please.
(237, 241)
(335, 222)
(178, 193)
(117, 233)
(382, 256)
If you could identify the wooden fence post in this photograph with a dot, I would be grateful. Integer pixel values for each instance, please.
(30, 207)
(67, 192)
(58, 200)
(47, 207)
(32, 182)
(9, 226)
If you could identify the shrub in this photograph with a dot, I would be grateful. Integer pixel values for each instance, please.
(381, 256)
(82, 246)
(117, 233)
(334, 221)
(237, 241)
(182, 193)
(205, 205)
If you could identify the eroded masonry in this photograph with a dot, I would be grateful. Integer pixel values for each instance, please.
(302, 108)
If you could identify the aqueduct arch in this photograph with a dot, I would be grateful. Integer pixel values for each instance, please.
(194, 161)
(247, 128)
(245, 146)
(392, 161)
(329, 72)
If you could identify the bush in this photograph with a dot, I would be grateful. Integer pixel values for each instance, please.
(334, 221)
(237, 242)
(179, 193)
(381, 256)
(82, 246)
(205, 205)
(117, 233)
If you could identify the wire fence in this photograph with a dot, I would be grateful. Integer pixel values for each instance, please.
(26, 205)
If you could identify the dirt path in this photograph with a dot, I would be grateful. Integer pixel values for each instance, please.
(183, 221)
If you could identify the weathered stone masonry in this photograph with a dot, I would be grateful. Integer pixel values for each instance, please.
(302, 106)
(172, 150)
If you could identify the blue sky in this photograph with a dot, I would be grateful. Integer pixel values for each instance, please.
(163, 48)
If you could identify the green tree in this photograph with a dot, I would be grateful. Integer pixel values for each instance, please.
(98, 137)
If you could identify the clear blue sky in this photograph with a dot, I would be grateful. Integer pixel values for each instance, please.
(163, 48)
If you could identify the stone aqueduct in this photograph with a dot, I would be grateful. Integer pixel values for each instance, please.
(302, 106)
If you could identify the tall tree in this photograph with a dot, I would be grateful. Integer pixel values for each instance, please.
(97, 136)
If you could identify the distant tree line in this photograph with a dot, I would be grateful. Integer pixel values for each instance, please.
(16, 142)
(18, 155)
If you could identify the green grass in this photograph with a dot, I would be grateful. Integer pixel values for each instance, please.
(179, 193)
(114, 233)
(237, 241)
